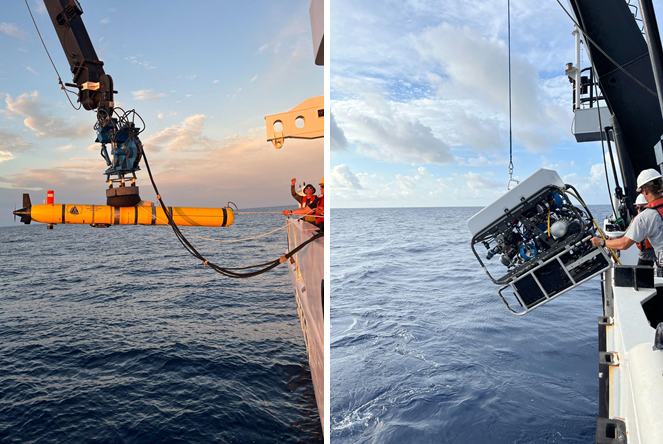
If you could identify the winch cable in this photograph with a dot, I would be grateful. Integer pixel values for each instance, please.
(508, 19)
(617, 65)
(226, 271)
(66, 91)
(227, 240)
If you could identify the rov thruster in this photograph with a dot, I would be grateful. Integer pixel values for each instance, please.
(541, 238)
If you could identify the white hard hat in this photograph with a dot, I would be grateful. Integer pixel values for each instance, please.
(645, 177)
(641, 200)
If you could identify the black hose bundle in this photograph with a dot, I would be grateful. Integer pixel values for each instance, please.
(226, 271)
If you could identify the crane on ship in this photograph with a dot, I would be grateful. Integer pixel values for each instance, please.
(114, 126)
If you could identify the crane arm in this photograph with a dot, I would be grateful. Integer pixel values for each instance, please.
(94, 85)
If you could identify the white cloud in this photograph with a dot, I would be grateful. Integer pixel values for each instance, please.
(479, 185)
(254, 79)
(236, 92)
(338, 142)
(5, 156)
(135, 60)
(483, 160)
(12, 30)
(147, 94)
(191, 77)
(13, 143)
(187, 135)
(381, 131)
(216, 81)
(106, 20)
(416, 188)
(476, 68)
(160, 116)
(39, 6)
(66, 147)
(31, 70)
(37, 117)
(592, 187)
(342, 177)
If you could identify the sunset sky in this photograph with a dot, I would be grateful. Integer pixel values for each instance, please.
(419, 93)
(202, 76)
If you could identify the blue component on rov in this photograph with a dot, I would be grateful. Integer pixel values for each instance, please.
(528, 251)
(558, 200)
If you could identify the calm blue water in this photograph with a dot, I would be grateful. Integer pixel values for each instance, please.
(118, 335)
(423, 350)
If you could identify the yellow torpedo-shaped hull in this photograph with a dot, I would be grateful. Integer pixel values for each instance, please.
(138, 215)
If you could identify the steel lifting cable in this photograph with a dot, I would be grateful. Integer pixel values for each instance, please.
(226, 271)
(223, 240)
(508, 19)
(66, 91)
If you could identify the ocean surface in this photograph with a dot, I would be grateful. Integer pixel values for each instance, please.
(424, 351)
(118, 335)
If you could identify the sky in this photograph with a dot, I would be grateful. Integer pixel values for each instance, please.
(419, 102)
(203, 77)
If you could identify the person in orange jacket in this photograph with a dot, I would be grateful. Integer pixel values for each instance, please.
(306, 199)
(316, 207)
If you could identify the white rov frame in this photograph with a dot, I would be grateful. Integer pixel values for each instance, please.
(566, 269)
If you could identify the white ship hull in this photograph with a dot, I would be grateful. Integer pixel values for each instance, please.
(307, 275)
(630, 372)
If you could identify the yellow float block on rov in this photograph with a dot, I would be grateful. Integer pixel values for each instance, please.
(138, 215)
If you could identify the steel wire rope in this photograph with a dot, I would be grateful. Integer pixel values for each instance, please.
(222, 240)
(66, 91)
(508, 15)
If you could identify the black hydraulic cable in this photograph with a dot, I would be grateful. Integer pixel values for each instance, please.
(226, 271)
